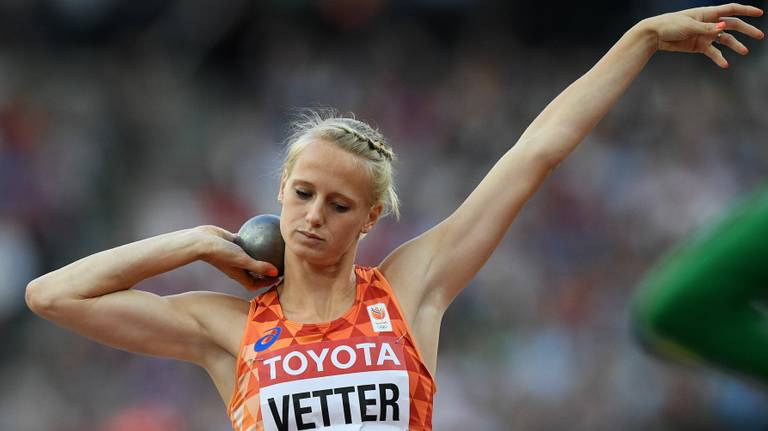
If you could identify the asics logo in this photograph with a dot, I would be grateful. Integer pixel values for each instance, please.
(269, 338)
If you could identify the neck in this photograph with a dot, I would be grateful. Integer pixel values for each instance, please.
(312, 293)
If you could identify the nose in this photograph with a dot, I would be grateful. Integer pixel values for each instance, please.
(314, 215)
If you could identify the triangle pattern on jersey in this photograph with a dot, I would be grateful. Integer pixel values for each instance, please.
(310, 338)
(410, 363)
(362, 316)
(420, 394)
(423, 406)
(365, 274)
(394, 312)
(415, 413)
(344, 333)
(374, 294)
(279, 344)
(271, 297)
(344, 324)
(372, 288)
(357, 333)
(305, 330)
(288, 329)
(266, 315)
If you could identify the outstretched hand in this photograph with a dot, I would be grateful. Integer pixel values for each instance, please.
(696, 30)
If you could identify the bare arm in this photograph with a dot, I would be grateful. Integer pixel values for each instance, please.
(93, 295)
(451, 253)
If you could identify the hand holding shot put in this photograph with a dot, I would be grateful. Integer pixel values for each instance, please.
(335, 343)
(228, 253)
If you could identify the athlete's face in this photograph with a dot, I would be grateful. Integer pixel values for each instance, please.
(326, 203)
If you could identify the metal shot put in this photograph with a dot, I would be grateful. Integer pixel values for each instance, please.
(260, 237)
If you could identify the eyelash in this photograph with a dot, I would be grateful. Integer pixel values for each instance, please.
(304, 196)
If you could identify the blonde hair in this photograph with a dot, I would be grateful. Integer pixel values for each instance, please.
(351, 135)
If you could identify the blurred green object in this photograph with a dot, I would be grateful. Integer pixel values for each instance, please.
(705, 302)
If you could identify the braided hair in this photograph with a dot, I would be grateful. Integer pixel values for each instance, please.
(354, 136)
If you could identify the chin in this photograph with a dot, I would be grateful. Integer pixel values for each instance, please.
(313, 255)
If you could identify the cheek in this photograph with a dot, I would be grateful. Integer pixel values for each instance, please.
(283, 224)
(348, 230)
(288, 216)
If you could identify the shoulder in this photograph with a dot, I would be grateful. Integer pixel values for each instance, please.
(405, 289)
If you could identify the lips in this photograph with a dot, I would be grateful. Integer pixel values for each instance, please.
(310, 235)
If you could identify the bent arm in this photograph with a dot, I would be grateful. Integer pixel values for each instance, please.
(706, 301)
(93, 296)
(113, 270)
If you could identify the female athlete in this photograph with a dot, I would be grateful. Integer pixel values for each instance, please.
(336, 345)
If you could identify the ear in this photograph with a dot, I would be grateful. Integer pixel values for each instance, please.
(283, 179)
(373, 217)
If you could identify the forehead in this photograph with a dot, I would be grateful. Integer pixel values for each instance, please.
(327, 166)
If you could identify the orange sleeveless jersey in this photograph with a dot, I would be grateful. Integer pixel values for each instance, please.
(361, 369)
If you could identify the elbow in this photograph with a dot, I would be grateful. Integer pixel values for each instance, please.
(38, 298)
(543, 152)
(550, 159)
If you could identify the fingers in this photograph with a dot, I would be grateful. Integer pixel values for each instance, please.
(241, 277)
(737, 9)
(706, 28)
(742, 27)
(247, 263)
(730, 41)
(713, 13)
(261, 268)
(233, 255)
(715, 55)
(249, 280)
(262, 281)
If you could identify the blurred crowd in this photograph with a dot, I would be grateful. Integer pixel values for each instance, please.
(113, 130)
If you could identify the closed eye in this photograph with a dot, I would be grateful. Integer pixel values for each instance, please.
(306, 195)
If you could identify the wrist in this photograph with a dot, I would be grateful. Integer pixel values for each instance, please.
(204, 239)
(644, 32)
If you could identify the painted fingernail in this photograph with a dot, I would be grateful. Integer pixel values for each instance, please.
(720, 25)
(272, 272)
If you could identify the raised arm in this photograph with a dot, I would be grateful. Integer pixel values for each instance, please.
(433, 268)
(706, 300)
(93, 296)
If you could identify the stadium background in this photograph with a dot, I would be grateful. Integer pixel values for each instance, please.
(120, 120)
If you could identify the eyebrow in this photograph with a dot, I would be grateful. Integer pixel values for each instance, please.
(309, 183)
